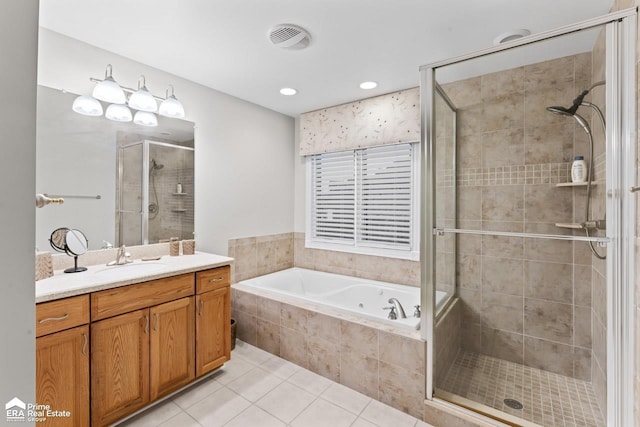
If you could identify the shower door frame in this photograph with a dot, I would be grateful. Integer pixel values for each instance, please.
(620, 30)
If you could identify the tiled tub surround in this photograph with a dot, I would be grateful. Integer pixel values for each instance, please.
(259, 255)
(376, 359)
(526, 301)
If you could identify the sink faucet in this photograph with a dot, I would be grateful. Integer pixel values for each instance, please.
(398, 307)
(122, 256)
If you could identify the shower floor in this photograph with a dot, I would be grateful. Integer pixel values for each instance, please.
(549, 399)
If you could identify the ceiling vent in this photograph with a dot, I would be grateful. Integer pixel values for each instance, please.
(288, 36)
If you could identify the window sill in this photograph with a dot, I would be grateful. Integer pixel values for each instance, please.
(363, 250)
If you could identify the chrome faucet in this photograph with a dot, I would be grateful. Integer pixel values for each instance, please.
(398, 307)
(122, 256)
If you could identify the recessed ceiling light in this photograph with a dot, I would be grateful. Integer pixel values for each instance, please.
(288, 91)
(510, 36)
(368, 85)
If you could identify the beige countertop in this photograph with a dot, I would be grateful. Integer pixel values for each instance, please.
(98, 278)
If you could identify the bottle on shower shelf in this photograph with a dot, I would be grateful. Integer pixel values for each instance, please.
(579, 169)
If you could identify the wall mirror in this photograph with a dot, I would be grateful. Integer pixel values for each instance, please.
(121, 183)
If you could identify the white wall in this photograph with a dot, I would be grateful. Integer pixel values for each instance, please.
(244, 168)
(18, 46)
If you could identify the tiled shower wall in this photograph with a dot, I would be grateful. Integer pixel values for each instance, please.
(524, 300)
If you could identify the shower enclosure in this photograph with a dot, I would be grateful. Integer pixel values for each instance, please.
(535, 327)
(154, 200)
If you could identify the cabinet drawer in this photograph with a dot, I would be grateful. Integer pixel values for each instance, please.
(134, 297)
(215, 278)
(61, 314)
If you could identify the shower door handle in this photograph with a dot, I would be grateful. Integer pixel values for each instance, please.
(634, 189)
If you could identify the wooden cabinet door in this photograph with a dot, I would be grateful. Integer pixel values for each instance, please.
(213, 329)
(62, 375)
(119, 366)
(172, 346)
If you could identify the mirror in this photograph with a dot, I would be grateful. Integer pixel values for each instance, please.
(72, 242)
(107, 171)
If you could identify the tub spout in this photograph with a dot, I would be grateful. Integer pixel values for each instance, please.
(398, 306)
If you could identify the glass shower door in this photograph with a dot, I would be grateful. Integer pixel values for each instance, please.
(130, 219)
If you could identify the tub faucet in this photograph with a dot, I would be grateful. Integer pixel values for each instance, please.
(398, 307)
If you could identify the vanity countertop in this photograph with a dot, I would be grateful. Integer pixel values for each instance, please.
(97, 278)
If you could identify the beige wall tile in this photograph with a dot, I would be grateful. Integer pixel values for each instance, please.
(549, 144)
(503, 275)
(469, 273)
(503, 345)
(503, 203)
(471, 305)
(323, 327)
(599, 381)
(469, 203)
(247, 327)
(465, 92)
(498, 84)
(471, 339)
(469, 151)
(293, 346)
(548, 320)
(599, 296)
(549, 356)
(404, 352)
(358, 338)
(294, 318)
(553, 74)
(503, 148)
(402, 389)
(502, 311)
(544, 203)
(599, 342)
(502, 246)
(268, 309)
(582, 326)
(582, 285)
(268, 336)
(549, 281)
(582, 363)
(359, 372)
(324, 357)
(245, 302)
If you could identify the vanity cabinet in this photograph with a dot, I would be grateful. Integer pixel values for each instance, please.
(62, 360)
(131, 345)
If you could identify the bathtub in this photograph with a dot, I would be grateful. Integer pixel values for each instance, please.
(360, 296)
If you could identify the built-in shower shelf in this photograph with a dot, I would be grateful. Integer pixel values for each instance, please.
(574, 184)
(178, 210)
(571, 225)
(179, 194)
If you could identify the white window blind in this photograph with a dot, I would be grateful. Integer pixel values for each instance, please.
(365, 199)
(385, 202)
(333, 196)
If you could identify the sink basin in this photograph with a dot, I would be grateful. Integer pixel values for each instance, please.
(129, 270)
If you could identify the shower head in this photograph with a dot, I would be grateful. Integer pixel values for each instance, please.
(567, 112)
(560, 110)
(571, 110)
(155, 165)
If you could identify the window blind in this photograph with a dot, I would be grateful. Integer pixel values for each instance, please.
(385, 190)
(333, 197)
(364, 198)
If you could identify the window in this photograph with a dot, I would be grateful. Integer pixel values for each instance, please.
(364, 201)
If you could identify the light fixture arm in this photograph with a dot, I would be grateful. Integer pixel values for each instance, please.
(108, 71)
(127, 89)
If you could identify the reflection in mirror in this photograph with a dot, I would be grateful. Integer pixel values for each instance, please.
(76, 242)
(76, 156)
(58, 239)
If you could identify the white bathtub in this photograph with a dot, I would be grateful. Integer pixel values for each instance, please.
(361, 296)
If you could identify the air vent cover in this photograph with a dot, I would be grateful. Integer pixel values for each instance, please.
(288, 36)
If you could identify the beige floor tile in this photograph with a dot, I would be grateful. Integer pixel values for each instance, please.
(233, 369)
(280, 367)
(181, 420)
(310, 382)
(346, 398)
(255, 384)
(323, 414)
(154, 416)
(196, 393)
(286, 401)
(218, 408)
(254, 416)
(384, 415)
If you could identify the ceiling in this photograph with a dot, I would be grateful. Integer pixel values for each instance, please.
(223, 44)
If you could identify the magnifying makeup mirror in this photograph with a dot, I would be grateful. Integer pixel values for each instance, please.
(72, 242)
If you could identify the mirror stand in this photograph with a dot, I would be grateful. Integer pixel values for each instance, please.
(75, 268)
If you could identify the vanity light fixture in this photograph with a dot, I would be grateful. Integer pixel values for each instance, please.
(368, 85)
(171, 107)
(142, 100)
(118, 113)
(108, 90)
(288, 91)
(87, 106)
(145, 118)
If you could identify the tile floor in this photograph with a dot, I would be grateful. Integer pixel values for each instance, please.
(259, 389)
(549, 399)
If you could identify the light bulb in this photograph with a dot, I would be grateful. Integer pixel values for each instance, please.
(118, 113)
(145, 118)
(171, 107)
(87, 106)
